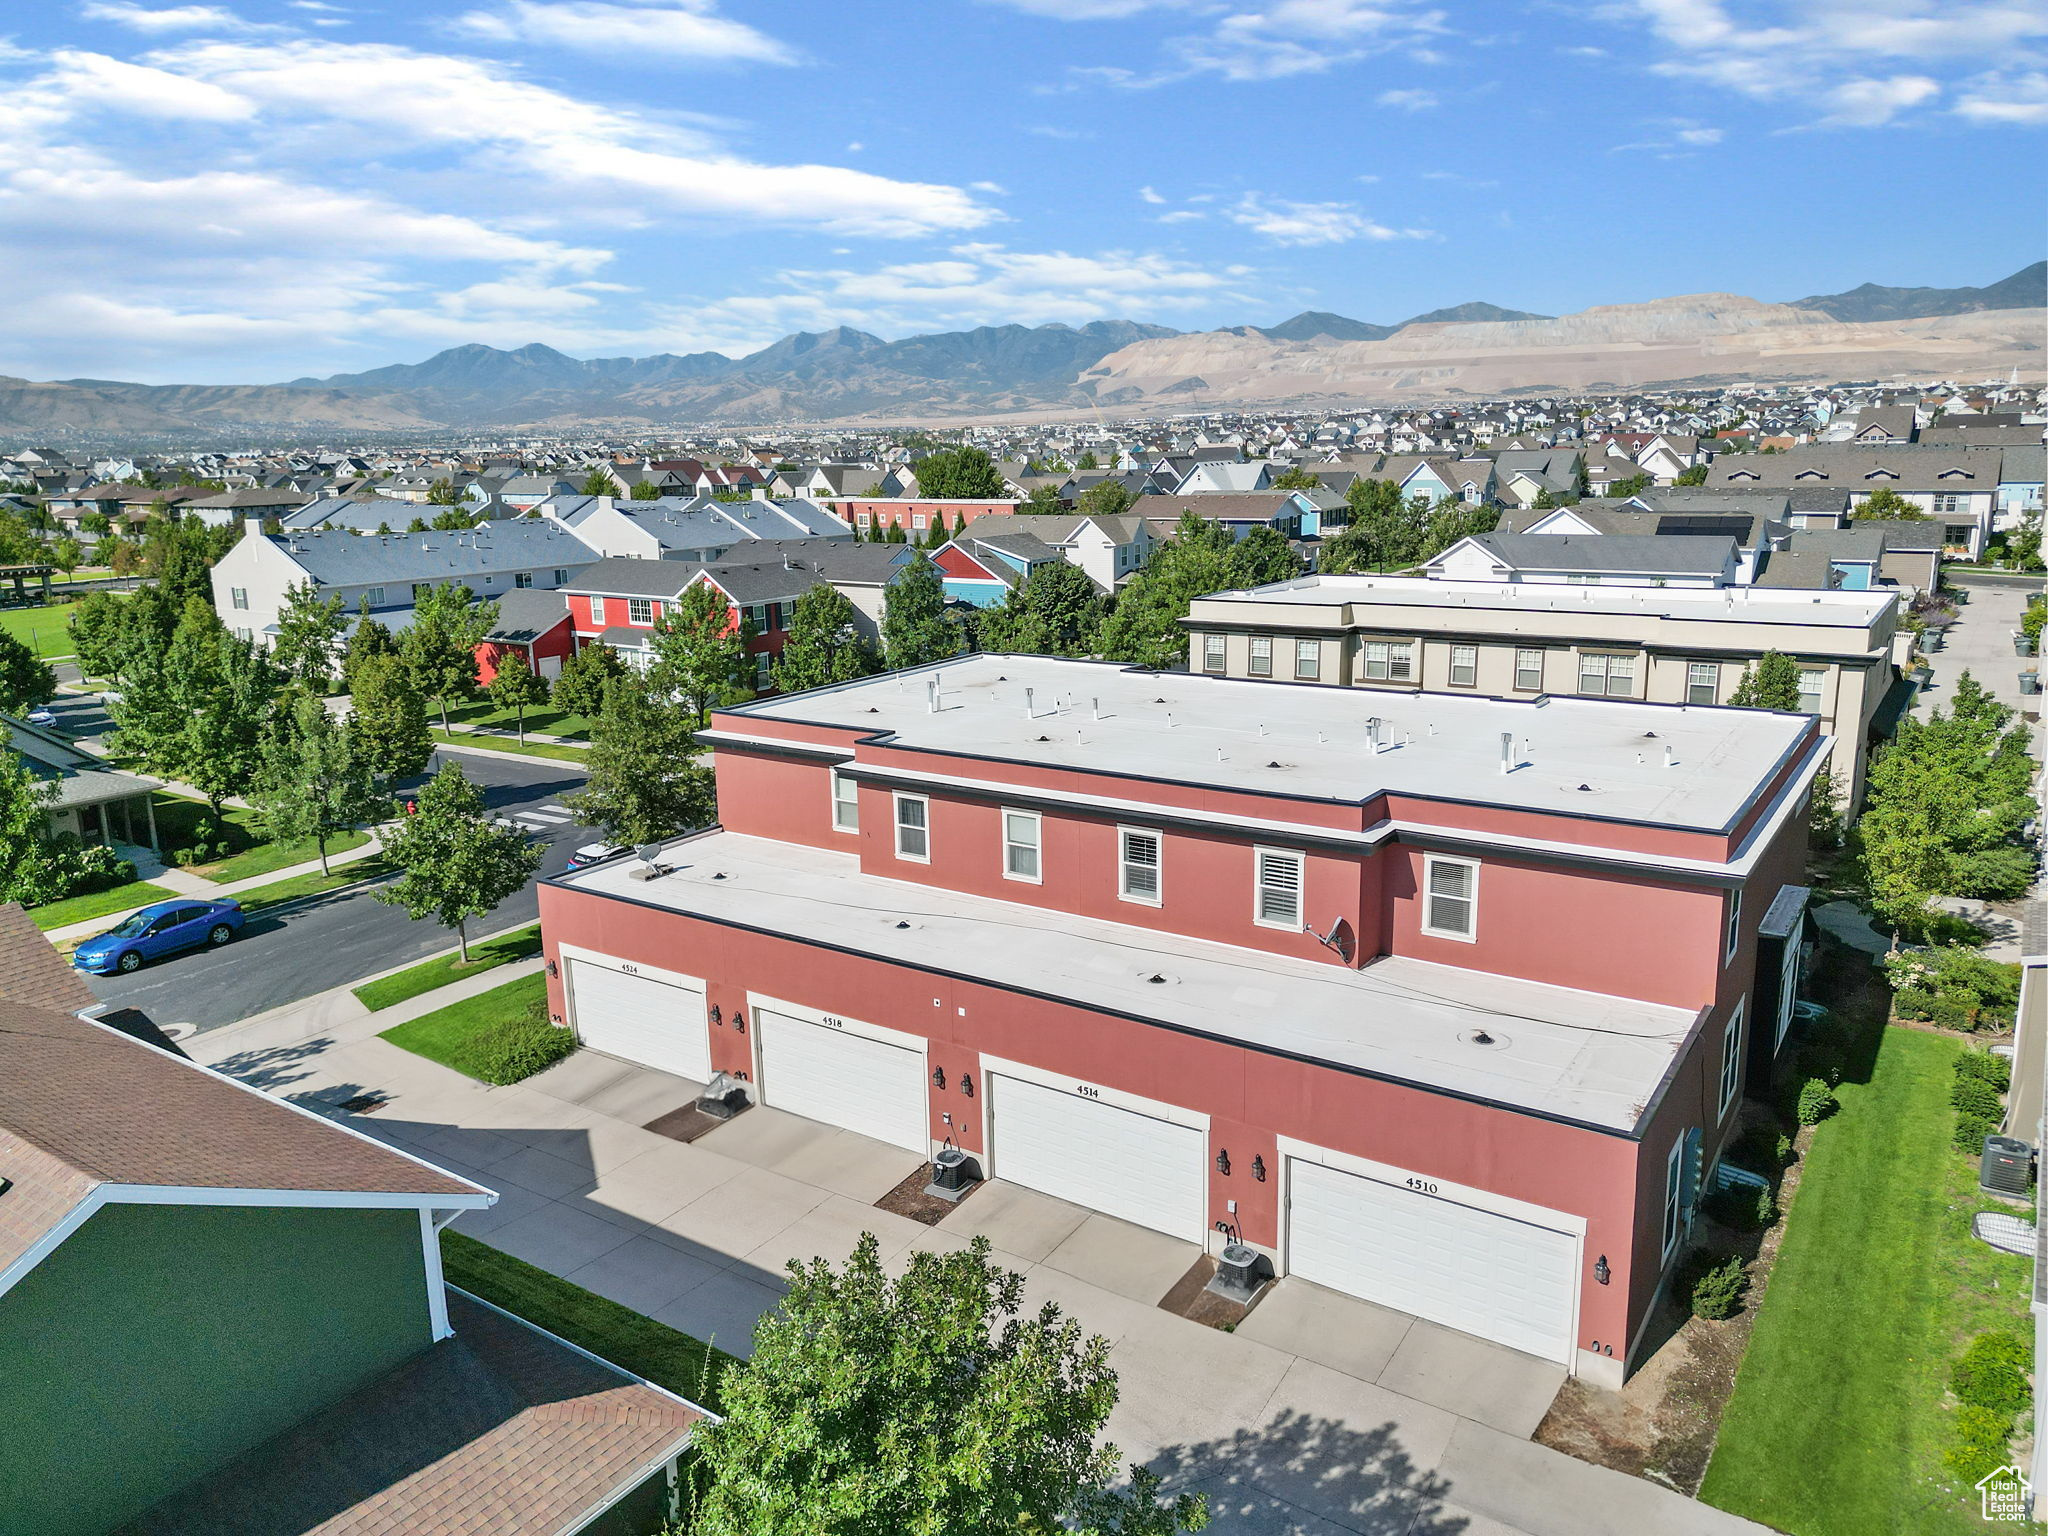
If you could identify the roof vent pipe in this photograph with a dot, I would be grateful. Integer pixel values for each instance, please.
(931, 695)
(1028, 709)
(1507, 751)
(1095, 709)
(1670, 757)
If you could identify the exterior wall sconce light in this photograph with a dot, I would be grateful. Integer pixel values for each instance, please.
(1259, 1169)
(967, 1085)
(1601, 1273)
(1223, 1161)
(554, 1018)
(716, 1016)
(938, 1077)
(739, 1021)
(554, 969)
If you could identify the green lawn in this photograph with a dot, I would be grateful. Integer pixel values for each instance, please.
(299, 886)
(81, 909)
(547, 720)
(511, 744)
(471, 1035)
(687, 1367)
(46, 631)
(523, 944)
(179, 824)
(1837, 1424)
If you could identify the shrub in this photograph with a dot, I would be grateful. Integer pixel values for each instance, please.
(1987, 1067)
(1784, 1149)
(1967, 990)
(1992, 1374)
(1742, 1208)
(1816, 1101)
(2001, 873)
(1971, 1131)
(1982, 1440)
(1974, 1096)
(1912, 1003)
(1716, 1290)
(518, 1048)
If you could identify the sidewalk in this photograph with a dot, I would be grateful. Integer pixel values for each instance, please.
(1331, 1416)
(184, 883)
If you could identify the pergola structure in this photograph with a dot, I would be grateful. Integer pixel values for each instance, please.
(21, 576)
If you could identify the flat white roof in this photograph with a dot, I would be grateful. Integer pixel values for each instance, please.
(1760, 605)
(1579, 1056)
(1593, 757)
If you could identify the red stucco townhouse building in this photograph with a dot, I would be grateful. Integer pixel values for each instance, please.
(1441, 1001)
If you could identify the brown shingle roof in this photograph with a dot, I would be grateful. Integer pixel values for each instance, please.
(500, 1428)
(83, 1105)
(34, 973)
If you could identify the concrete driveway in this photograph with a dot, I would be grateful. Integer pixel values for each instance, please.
(1321, 1414)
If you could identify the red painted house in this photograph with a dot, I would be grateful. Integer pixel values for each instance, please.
(616, 602)
(914, 516)
(1441, 1001)
(534, 623)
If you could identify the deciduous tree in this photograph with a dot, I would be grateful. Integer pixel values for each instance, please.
(1145, 628)
(699, 652)
(915, 629)
(26, 680)
(388, 719)
(932, 1404)
(440, 644)
(1054, 611)
(1770, 682)
(966, 474)
(643, 782)
(1106, 498)
(309, 630)
(516, 687)
(599, 482)
(824, 644)
(459, 863)
(314, 781)
(579, 690)
(1889, 505)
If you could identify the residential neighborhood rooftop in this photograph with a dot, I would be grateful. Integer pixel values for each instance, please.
(1577, 756)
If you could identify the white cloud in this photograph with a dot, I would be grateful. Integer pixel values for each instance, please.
(1181, 216)
(1146, 194)
(1701, 136)
(1252, 40)
(1842, 56)
(181, 18)
(1409, 100)
(2000, 98)
(678, 31)
(1090, 10)
(1291, 223)
(123, 88)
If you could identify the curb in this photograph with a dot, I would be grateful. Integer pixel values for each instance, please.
(511, 757)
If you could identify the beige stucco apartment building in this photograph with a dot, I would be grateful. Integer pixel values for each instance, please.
(1662, 645)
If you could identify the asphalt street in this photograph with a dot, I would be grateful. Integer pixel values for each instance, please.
(330, 941)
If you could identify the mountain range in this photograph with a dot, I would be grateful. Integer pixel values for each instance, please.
(845, 374)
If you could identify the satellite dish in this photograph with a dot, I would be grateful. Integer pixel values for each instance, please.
(646, 852)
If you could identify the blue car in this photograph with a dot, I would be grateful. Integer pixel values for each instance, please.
(163, 929)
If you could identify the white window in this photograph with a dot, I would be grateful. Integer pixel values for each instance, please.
(1813, 682)
(1308, 660)
(913, 828)
(1464, 666)
(376, 596)
(764, 663)
(1262, 656)
(845, 803)
(917, 521)
(597, 610)
(1390, 660)
(560, 576)
(1212, 653)
(239, 596)
(1611, 675)
(640, 610)
(1138, 866)
(1020, 846)
(1731, 1057)
(1674, 1196)
(1450, 898)
(1529, 670)
(1948, 504)
(522, 578)
(1733, 934)
(1702, 682)
(1278, 903)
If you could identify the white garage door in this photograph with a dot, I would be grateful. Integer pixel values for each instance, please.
(866, 1085)
(652, 1022)
(1483, 1273)
(1115, 1160)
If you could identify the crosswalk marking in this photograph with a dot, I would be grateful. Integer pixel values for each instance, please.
(549, 813)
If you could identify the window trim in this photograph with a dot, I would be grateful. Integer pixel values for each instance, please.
(1258, 663)
(238, 597)
(1541, 658)
(1473, 667)
(638, 606)
(1123, 866)
(1819, 695)
(1308, 652)
(1731, 935)
(835, 782)
(901, 799)
(1260, 854)
(1607, 659)
(1731, 1057)
(1215, 654)
(597, 610)
(1406, 650)
(1471, 898)
(1713, 687)
(1036, 845)
(1674, 1196)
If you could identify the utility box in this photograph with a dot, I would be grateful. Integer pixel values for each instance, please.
(2006, 1166)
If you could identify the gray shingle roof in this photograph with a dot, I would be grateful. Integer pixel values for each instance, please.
(1619, 554)
(337, 559)
(527, 613)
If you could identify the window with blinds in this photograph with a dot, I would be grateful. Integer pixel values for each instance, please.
(845, 803)
(1262, 656)
(1020, 845)
(1529, 670)
(1278, 902)
(1450, 898)
(913, 829)
(1138, 866)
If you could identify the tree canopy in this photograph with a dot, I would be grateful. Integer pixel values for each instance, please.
(459, 862)
(966, 474)
(1771, 682)
(1054, 611)
(699, 650)
(915, 629)
(824, 644)
(643, 781)
(1889, 505)
(388, 719)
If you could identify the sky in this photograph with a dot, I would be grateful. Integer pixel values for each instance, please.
(255, 190)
